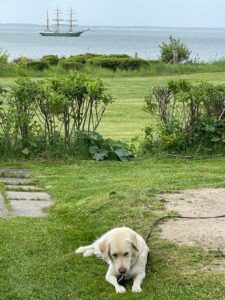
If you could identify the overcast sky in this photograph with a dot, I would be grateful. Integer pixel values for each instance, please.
(181, 13)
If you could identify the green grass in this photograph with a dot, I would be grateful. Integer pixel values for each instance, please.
(154, 68)
(37, 259)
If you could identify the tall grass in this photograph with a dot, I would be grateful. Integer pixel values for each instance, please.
(153, 68)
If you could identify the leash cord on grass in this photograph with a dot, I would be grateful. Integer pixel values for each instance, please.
(158, 221)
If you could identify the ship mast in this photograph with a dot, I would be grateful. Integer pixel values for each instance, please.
(58, 13)
(71, 20)
(47, 27)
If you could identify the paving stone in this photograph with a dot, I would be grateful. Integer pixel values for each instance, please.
(28, 208)
(18, 173)
(13, 195)
(14, 181)
(21, 188)
(3, 210)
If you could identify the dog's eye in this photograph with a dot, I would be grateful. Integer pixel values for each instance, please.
(126, 253)
(115, 255)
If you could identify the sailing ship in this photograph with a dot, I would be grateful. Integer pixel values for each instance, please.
(57, 32)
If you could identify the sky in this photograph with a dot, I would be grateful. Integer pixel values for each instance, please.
(175, 13)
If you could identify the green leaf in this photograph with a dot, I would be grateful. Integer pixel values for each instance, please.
(215, 139)
(25, 151)
(95, 136)
(123, 154)
(210, 128)
(98, 154)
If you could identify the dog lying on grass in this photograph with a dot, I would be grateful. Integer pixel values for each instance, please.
(125, 251)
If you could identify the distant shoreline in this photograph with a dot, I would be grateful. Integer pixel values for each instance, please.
(119, 26)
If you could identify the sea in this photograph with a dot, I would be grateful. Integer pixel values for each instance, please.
(206, 44)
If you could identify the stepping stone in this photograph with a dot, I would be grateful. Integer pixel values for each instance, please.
(25, 188)
(3, 210)
(13, 195)
(26, 208)
(15, 181)
(16, 173)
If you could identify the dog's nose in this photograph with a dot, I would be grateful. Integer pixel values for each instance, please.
(122, 270)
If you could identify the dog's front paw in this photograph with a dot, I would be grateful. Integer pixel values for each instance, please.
(79, 250)
(120, 289)
(136, 289)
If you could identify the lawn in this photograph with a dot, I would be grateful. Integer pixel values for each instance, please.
(37, 259)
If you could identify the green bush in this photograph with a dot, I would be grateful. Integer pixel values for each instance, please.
(68, 64)
(4, 57)
(52, 60)
(113, 63)
(191, 116)
(46, 116)
(83, 58)
(38, 65)
(174, 52)
(101, 149)
(21, 61)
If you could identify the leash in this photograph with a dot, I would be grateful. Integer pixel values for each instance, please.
(121, 279)
(158, 221)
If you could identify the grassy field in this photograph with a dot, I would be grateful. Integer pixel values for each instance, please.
(37, 259)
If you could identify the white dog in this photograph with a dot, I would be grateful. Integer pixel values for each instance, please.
(125, 251)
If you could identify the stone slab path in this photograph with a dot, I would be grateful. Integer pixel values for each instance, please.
(22, 196)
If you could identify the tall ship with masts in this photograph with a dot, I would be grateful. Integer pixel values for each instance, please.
(70, 33)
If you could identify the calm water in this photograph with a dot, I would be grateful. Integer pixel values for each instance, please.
(18, 40)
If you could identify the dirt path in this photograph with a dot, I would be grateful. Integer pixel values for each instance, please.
(209, 234)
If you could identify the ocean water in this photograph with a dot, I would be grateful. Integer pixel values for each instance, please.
(24, 40)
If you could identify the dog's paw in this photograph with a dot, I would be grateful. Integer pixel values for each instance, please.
(120, 289)
(79, 250)
(89, 253)
(136, 289)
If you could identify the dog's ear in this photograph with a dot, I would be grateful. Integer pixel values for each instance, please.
(134, 242)
(104, 248)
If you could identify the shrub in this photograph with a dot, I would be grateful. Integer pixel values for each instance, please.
(38, 65)
(191, 116)
(52, 60)
(46, 115)
(4, 57)
(118, 63)
(101, 149)
(82, 58)
(22, 60)
(68, 64)
(174, 52)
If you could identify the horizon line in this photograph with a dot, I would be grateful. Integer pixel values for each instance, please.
(149, 26)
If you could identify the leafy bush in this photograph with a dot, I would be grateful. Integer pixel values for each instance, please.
(38, 65)
(174, 52)
(68, 64)
(85, 58)
(191, 116)
(101, 149)
(21, 61)
(46, 115)
(52, 60)
(4, 57)
(114, 63)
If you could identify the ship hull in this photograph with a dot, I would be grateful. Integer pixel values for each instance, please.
(60, 34)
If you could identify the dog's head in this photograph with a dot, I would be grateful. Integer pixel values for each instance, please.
(122, 250)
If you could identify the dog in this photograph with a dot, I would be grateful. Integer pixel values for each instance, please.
(126, 253)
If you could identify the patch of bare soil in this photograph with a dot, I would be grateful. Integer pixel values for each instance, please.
(209, 234)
